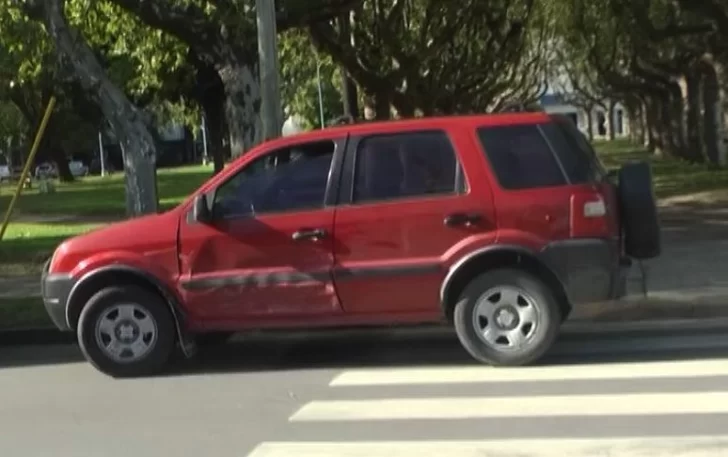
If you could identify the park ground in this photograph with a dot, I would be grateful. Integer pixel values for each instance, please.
(693, 202)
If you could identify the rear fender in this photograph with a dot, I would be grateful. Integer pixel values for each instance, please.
(494, 257)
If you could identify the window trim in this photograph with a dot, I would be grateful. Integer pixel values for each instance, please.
(348, 178)
(571, 132)
(332, 184)
(555, 155)
(494, 172)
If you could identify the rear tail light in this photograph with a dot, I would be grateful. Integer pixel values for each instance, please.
(589, 216)
(595, 208)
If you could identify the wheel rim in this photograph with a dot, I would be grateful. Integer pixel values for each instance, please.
(126, 333)
(506, 318)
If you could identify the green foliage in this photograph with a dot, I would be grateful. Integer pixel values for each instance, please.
(139, 59)
(12, 123)
(299, 79)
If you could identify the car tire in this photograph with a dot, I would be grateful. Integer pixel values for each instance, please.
(638, 211)
(126, 331)
(507, 317)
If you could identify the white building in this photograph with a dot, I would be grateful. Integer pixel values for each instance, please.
(561, 98)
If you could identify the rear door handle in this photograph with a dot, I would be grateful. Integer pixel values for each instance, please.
(309, 234)
(464, 219)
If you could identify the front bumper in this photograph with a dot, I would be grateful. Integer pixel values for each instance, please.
(55, 290)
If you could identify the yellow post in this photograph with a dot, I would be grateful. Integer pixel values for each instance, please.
(28, 163)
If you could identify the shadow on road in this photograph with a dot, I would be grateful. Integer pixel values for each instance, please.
(389, 348)
(26, 356)
(413, 348)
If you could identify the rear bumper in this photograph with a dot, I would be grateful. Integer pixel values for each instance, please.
(592, 270)
(55, 290)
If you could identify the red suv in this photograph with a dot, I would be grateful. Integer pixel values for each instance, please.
(498, 224)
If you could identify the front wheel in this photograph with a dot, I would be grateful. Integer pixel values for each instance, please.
(507, 318)
(126, 331)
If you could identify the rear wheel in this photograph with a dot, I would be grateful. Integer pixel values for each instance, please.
(126, 331)
(507, 317)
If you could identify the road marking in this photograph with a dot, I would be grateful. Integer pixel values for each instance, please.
(484, 374)
(489, 407)
(708, 446)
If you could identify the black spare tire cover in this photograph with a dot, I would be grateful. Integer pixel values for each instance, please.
(638, 211)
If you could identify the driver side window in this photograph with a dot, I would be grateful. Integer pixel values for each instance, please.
(290, 179)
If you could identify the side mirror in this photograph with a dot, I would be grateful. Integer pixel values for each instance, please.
(201, 211)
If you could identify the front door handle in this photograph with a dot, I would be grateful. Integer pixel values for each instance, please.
(464, 219)
(309, 234)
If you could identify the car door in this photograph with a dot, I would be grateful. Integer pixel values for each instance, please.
(268, 250)
(407, 207)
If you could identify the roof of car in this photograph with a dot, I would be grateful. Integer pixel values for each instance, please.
(417, 123)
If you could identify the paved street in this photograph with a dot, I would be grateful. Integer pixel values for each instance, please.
(603, 391)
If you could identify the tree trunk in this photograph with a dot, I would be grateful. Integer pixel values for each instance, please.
(242, 105)
(634, 108)
(210, 95)
(58, 155)
(610, 120)
(665, 125)
(382, 106)
(713, 104)
(692, 101)
(348, 85)
(136, 140)
(676, 126)
(590, 122)
(654, 139)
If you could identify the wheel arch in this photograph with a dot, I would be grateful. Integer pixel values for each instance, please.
(112, 275)
(493, 257)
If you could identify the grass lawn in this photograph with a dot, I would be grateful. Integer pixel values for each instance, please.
(26, 246)
(97, 196)
(672, 177)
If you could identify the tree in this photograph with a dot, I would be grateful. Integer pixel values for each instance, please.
(658, 58)
(299, 78)
(427, 56)
(221, 36)
(26, 79)
(127, 121)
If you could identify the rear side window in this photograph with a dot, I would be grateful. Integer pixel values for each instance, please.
(405, 165)
(520, 156)
(577, 139)
(577, 165)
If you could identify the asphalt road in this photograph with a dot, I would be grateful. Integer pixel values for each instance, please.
(603, 391)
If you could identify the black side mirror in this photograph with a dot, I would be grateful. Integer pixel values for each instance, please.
(201, 211)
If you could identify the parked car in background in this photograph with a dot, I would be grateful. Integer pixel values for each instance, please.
(5, 173)
(495, 224)
(47, 170)
(78, 168)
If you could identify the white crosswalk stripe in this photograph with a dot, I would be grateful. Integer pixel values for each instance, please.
(647, 404)
(707, 446)
(477, 374)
